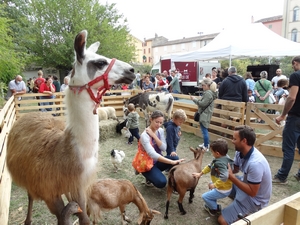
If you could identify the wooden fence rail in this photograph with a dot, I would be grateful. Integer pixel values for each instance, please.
(268, 141)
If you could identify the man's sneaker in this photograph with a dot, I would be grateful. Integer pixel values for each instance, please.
(297, 177)
(211, 212)
(276, 180)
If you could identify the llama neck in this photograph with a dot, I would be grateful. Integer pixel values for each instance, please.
(82, 123)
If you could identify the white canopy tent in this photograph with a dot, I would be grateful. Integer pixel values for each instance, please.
(253, 40)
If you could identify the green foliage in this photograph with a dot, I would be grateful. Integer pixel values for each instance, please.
(142, 68)
(10, 60)
(241, 64)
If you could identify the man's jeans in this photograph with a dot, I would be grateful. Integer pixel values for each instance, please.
(290, 135)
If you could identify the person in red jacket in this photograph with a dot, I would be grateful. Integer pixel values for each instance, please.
(47, 88)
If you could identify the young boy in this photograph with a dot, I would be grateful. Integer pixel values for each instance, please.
(173, 131)
(250, 96)
(220, 186)
(133, 123)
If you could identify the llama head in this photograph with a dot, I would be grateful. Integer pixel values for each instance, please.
(89, 66)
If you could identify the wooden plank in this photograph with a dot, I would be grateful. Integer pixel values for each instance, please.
(268, 136)
(274, 213)
(5, 192)
(292, 212)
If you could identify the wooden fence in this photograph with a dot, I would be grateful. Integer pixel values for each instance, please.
(268, 133)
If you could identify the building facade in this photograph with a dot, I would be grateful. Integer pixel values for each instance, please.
(291, 20)
(274, 23)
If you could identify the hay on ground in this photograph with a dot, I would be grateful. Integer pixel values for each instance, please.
(107, 129)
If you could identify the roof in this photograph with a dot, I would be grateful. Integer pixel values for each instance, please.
(186, 40)
(269, 19)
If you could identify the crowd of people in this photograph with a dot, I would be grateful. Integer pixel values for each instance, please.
(252, 190)
(48, 86)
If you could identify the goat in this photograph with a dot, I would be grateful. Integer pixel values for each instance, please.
(180, 179)
(107, 194)
(120, 126)
(49, 158)
(107, 112)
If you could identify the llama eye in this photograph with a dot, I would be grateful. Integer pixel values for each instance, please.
(100, 64)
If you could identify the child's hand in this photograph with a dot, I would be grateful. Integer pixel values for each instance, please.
(211, 185)
(196, 175)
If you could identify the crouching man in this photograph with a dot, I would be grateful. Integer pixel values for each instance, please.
(253, 190)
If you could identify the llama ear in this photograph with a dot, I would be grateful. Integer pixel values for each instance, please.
(79, 45)
(94, 47)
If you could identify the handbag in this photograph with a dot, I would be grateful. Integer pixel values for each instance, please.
(272, 99)
(142, 162)
(196, 116)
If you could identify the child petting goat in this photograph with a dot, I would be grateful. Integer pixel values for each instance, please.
(108, 194)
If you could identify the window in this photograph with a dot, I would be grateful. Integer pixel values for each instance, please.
(173, 47)
(296, 14)
(205, 42)
(182, 46)
(144, 51)
(270, 26)
(149, 51)
(194, 44)
(165, 48)
(294, 35)
(149, 59)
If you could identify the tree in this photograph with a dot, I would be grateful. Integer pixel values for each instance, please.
(10, 61)
(59, 21)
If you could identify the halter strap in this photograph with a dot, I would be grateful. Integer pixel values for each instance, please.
(100, 91)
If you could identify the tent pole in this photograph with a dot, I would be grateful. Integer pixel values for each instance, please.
(269, 59)
(229, 60)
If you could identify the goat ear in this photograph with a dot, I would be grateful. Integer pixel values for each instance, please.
(192, 149)
(157, 98)
(94, 47)
(155, 212)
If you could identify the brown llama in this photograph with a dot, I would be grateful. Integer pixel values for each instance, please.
(48, 158)
(107, 194)
(180, 179)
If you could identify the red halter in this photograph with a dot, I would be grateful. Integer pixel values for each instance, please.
(101, 90)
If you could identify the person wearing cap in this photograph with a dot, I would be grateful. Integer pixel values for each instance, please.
(205, 108)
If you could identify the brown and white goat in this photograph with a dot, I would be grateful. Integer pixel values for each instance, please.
(107, 194)
(180, 179)
(49, 158)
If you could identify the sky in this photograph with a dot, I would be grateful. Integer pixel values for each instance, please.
(187, 18)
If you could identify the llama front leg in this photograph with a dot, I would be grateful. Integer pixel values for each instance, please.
(29, 210)
(56, 207)
(83, 217)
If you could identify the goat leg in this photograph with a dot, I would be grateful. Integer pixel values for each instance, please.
(29, 210)
(191, 195)
(167, 210)
(182, 211)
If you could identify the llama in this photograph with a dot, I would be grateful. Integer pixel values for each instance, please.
(48, 158)
(107, 194)
(182, 180)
